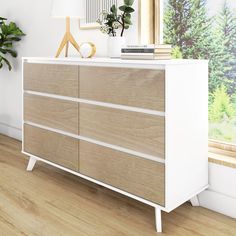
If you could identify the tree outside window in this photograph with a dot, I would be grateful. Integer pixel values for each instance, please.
(206, 29)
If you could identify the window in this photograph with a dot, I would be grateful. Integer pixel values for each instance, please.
(206, 29)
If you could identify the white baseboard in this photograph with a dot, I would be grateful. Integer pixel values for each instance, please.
(10, 131)
(221, 194)
(218, 202)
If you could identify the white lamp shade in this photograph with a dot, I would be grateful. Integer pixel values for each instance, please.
(68, 8)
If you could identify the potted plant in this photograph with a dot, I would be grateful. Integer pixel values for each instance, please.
(114, 21)
(9, 34)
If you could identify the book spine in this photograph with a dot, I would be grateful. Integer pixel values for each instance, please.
(137, 54)
(141, 50)
(146, 57)
(146, 54)
(138, 57)
(160, 46)
(160, 50)
(150, 46)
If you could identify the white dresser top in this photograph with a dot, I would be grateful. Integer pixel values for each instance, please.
(99, 61)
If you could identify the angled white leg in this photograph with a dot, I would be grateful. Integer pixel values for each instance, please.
(195, 201)
(31, 163)
(158, 220)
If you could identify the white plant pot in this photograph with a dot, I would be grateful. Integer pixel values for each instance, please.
(115, 45)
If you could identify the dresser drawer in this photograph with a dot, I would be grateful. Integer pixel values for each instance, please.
(52, 78)
(136, 131)
(141, 177)
(54, 113)
(57, 148)
(125, 86)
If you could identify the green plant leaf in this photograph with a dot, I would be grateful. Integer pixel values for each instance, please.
(13, 29)
(128, 15)
(114, 9)
(10, 51)
(7, 44)
(127, 21)
(126, 9)
(129, 10)
(3, 51)
(4, 29)
(3, 59)
(13, 38)
(122, 8)
(9, 33)
(129, 2)
(8, 63)
(2, 20)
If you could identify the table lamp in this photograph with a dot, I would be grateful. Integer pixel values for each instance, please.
(68, 9)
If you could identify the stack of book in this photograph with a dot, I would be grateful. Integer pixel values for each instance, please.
(147, 52)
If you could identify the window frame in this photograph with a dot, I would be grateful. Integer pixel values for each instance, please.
(153, 10)
(150, 21)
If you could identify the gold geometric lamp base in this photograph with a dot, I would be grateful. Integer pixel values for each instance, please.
(68, 38)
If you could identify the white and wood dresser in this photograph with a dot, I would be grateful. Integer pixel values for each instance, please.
(137, 127)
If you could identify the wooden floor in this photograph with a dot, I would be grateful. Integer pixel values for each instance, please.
(50, 202)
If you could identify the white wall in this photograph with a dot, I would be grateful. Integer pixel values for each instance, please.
(43, 37)
(221, 194)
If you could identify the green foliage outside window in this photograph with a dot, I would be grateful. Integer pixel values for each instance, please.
(194, 34)
(221, 108)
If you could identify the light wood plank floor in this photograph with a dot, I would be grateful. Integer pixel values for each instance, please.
(50, 202)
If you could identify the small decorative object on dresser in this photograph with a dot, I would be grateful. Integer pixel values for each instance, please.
(87, 50)
(68, 9)
(115, 45)
(147, 52)
(111, 22)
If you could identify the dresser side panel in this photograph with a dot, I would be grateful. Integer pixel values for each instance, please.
(186, 132)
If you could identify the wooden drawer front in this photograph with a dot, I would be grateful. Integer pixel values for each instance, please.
(135, 175)
(51, 78)
(132, 87)
(57, 148)
(54, 113)
(136, 131)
